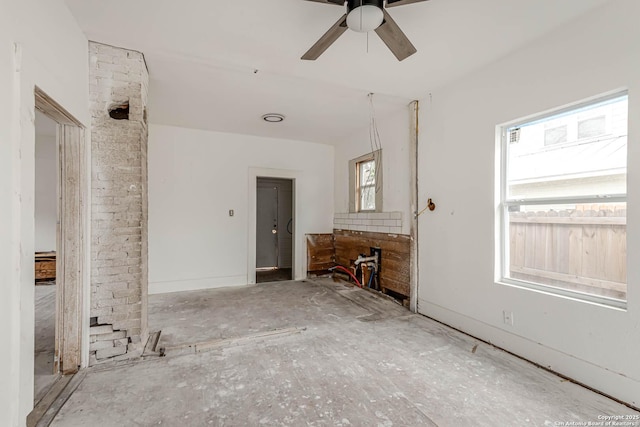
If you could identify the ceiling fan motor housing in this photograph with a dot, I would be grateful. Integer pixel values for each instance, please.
(352, 4)
(364, 15)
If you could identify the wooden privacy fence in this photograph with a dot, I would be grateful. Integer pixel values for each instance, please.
(582, 249)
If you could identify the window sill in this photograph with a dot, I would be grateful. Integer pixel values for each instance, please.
(609, 303)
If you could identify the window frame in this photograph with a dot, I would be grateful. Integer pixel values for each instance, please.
(504, 204)
(361, 186)
(354, 182)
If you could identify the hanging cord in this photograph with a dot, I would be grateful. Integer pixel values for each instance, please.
(374, 141)
(367, 41)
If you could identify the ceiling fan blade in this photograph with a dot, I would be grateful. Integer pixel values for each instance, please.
(327, 39)
(394, 38)
(392, 3)
(336, 2)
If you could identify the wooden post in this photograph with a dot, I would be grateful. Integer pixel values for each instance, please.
(413, 176)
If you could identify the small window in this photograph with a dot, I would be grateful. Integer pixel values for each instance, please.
(556, 135)
(564, 202)
(591, 128)
(366, 186)
(365, 182)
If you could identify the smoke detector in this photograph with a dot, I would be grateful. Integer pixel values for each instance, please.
(273, 117)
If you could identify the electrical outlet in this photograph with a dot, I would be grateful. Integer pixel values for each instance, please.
(507, 317)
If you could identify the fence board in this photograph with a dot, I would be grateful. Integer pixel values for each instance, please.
(562, 258)
(575, 250)
(585, 247)
(551, 254)
(589, 252)
(541, 246)
(519, 234)
(617, 266)
(529, 245)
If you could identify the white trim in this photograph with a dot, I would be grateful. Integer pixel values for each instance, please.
(196, 284)
(72, 274)
(614, 198)
(354, 182)
(564, 293)
(606, 96)
(503, 203)
(600, 378)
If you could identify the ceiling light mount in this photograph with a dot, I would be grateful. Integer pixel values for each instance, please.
(364, 15)
(273, 118)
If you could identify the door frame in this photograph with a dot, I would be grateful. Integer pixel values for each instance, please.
(252, 206)
(71, 243)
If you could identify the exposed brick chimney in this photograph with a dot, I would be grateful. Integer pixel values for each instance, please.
(119, 276)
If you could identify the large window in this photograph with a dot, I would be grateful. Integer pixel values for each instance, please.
(365, 182)
(563, 201)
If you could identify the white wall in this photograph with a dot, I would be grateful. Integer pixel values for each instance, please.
(196, 176)
(46, 201)
(595, 345)
(394, 133)
(52, 54)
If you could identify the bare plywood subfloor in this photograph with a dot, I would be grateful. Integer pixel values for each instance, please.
(357, 359)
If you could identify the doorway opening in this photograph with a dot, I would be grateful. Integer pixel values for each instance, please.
(274, 229)
(60, 223)
(46, 231)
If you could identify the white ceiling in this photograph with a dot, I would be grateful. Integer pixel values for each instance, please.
(220, 65)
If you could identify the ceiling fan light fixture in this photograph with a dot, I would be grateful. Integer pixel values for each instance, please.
(365, 18)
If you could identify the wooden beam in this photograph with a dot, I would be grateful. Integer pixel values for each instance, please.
(414, 260)
(70, 259)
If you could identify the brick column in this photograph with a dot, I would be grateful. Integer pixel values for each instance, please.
(119, 281)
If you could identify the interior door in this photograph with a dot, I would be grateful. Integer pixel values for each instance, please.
(267, 227)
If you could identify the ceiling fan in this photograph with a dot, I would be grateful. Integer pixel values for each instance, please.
(363, 16)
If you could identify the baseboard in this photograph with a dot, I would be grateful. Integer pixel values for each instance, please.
(598, 378)
(196, 284)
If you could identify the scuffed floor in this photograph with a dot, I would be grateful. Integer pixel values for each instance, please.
(346, 358)
(45, 327)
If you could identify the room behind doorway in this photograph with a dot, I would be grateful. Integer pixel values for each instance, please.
(46, 219)
(274, 229)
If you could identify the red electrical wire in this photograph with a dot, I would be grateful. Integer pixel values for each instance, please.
(349, 273)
